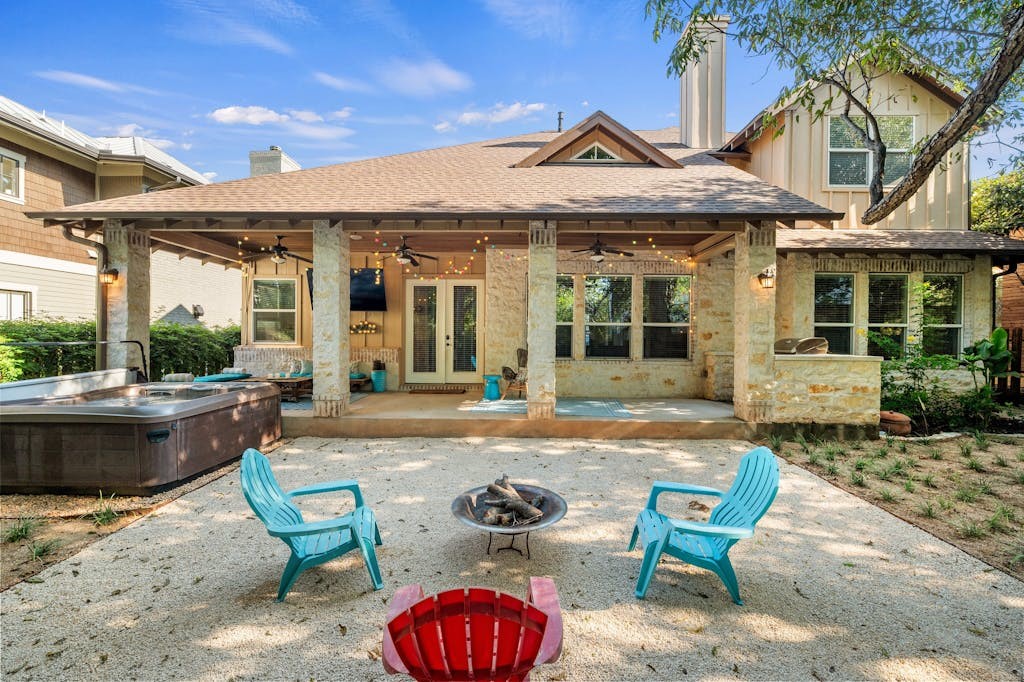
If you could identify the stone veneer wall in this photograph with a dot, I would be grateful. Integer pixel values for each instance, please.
(504, 308)
(266, 360)
(718, 375)
(827, 389)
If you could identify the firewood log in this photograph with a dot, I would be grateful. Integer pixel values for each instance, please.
(510, 499)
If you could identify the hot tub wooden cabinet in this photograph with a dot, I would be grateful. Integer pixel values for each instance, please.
(134, 439)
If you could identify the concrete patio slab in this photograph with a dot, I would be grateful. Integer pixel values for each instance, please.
(835, 588)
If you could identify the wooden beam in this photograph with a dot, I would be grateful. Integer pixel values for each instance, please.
(212, 223)
(709, 248)
(171, 222)
(197, 243)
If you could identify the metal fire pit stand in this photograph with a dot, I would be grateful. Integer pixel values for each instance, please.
(469, 506)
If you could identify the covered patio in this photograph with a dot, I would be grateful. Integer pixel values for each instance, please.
(510, 231)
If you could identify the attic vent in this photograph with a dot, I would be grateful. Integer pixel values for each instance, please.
(596, 152)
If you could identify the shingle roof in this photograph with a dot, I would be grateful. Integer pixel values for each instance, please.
(38, 122)
(478, 179)
(899, 241)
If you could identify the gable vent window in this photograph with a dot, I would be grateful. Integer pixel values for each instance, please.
(596, 152)
(849, 162)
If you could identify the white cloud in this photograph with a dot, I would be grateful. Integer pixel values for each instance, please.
(209, 175)
(341, 114)
(500, 113)
(298, 122)
(128, 130)
(284, 9)
(186, 145)
(92, 82)
(585, 103)
(305, 115)
(341, 83)
(422, 79)
(252, 115)
(222, 22)
(444, 127)
(406, 120)
(547, 19)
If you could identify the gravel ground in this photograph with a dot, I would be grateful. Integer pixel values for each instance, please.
(835, 588)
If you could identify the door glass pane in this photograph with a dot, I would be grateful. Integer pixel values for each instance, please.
(424, 329)
(464, 328)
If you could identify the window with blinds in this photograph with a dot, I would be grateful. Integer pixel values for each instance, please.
(833, 311)
(666, 317)
(849, 161)
(274, 311)
(887, 315)
(464, 311)
(608, 306)
(565, 296)
(424, 329)
(942, 305)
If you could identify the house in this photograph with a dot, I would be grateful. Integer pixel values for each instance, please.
(651, 264)
(49, 165)
(1010, 296)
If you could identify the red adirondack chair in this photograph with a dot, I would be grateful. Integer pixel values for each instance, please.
(472, 634)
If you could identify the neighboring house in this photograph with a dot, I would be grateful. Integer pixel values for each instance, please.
(1010, 312)
(48, 165)
(737, 241)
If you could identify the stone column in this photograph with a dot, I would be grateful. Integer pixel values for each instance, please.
(540, 326)
(331, 281)
(128, 296)
(754, 325)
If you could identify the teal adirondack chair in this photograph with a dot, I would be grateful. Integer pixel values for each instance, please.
(707, 544)
(311, 543)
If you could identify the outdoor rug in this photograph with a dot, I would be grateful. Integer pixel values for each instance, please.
(307, 402)
(564, 407)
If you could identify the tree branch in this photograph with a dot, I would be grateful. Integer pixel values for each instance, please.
(970, 111)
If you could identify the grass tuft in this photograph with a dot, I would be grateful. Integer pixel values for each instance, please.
(966, 494)
(857, 478)
(860, 464)
(928, 510)
(929, 480)
(22, 529)
(970, 529)
(909, 486)
(982, 441)
(887, 495)
(935, 453)
(832, 469)
(974, 464)
(966, 449)
(776, 442)
(1001, 461)
(41, 548)
(106, 514)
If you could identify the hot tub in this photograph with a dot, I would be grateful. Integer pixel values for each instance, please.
(133, 439)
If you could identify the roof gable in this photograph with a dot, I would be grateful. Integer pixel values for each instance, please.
(599, 128)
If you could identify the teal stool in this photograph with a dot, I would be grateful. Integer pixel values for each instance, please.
(491, 389)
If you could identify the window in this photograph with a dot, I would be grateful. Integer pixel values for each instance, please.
(833, 311)
(12, 176)
(596, 152)
(565, 295)
(849, 162)
(608, 305)
(273, 311)
(666, 317)
(943, 315)
(887, 314)
(15, 305)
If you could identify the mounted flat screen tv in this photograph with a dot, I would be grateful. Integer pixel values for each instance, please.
(366, 289)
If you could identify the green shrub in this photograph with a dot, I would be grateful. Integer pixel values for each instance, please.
(173, 348)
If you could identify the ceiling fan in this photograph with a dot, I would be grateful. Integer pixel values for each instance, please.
(406, 256)
(279, 253)
(598, 249)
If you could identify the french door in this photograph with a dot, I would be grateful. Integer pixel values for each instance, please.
(443, 323)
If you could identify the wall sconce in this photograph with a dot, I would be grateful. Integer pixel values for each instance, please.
(108, 276)
(197, 311)
(767, 277)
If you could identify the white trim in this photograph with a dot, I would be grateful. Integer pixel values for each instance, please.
(615, 157)
(295, 280)
(22, 160)
(27, 260)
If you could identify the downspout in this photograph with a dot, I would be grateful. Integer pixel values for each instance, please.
(1010, 269)
(102, 262)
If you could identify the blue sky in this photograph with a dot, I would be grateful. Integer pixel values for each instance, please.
(336, 81)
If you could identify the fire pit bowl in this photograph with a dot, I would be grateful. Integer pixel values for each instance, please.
(470, 505)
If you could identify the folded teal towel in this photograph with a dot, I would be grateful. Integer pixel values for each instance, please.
(221, 377)
(356, 375)
(296, 375)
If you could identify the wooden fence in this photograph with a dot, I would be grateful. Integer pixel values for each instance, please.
(1011, 388)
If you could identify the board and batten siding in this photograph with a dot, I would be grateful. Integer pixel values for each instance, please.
(797, 160)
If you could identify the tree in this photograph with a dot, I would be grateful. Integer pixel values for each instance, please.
(997, 203)
(976, 47)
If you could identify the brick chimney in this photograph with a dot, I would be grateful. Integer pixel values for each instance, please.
(271, 161)
(702, 91)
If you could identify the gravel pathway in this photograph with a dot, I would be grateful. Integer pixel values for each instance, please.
(835, 588)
